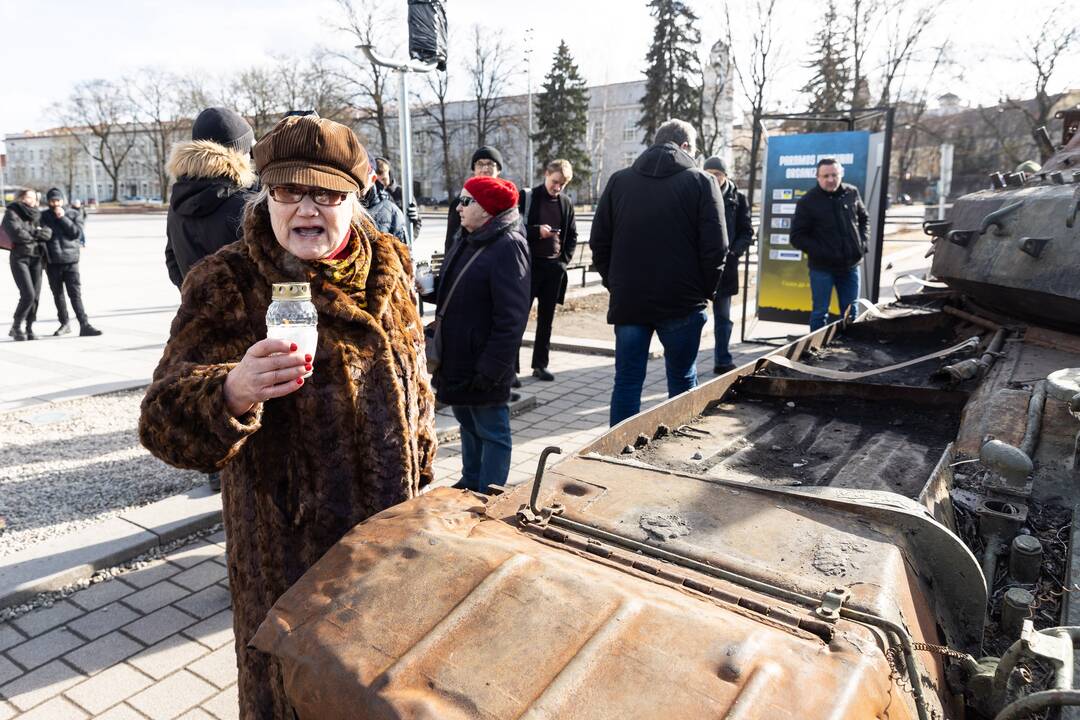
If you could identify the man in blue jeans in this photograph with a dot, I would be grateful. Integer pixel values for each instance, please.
(658, 241)
(830, 226)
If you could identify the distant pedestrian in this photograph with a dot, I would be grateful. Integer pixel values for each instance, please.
(213, 178)
(63, 250)
(386, 177)
(22, 223)
(659, 243)
(830, 226)
(387, 216)
(550, 228)
(740, 237)
(486, 162)
(483, 302)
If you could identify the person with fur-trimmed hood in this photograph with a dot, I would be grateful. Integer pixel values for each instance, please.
(302, 459)
(213, 176)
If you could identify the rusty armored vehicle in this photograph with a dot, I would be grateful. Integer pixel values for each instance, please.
(875, 521)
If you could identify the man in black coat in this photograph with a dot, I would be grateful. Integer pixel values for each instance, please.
(482, 319)
(213, 176)
(63, 250)
(659, 243)
(550, 228)
(389, 183)
(486, 162)
(830, 226)
(740, 237)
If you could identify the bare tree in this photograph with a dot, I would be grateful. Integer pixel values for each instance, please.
(862, 26)
(257, 93)
(105, 111)
(489, 69)
(905, 30)
(155, 96)
(322, 89)
(1052, 43)
(755, 75)
(435, 107)
(715, 81)
(909, 120)
(367, 86)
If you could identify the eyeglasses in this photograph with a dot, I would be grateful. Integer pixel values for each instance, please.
(292, 194)
(485, 164)
(467, 201)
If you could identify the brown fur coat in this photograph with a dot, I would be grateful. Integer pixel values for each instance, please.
(297, 472)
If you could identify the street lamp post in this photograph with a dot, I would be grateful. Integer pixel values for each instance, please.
(403, 68)
(528, 82)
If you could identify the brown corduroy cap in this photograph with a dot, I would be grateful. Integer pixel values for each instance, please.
(307, 150)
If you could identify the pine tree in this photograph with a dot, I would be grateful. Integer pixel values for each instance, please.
(828, 88)
(673, 77)
(562, 116)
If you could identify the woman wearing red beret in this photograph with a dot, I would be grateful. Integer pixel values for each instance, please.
(483, 299)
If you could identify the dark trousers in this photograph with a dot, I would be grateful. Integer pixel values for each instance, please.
(63, 275)
(27, 274)
(547, 280)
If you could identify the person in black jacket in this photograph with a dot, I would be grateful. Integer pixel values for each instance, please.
(213, 176)
(213, 182)
(412, 212)
(741, 237)
(550, 228)
(22, 223)
(830, 226)
(63, 250)
(486, 162)
(659, 242)
(483, 318)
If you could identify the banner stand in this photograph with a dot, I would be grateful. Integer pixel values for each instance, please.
(875, 197)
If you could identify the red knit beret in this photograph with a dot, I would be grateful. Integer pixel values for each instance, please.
(493, 194)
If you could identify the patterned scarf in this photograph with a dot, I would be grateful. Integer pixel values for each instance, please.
(349, 272)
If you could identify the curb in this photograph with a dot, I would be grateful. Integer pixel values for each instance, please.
(78, 393)
(59, 562)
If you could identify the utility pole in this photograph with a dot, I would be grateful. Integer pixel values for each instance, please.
(531, 170)
(403, 68)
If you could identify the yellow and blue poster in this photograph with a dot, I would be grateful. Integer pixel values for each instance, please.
(790, 170)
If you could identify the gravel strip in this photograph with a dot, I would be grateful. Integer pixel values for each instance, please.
(69, 465)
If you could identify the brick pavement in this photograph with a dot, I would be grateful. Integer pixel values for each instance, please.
(157, 643)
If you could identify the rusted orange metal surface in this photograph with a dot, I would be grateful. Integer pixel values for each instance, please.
(439, 608)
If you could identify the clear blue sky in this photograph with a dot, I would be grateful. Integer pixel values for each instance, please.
(70, 40)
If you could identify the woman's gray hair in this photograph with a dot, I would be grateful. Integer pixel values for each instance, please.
(24, 192)
(678, 132)
(262, 199)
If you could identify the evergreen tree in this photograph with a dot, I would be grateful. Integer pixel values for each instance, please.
(828, 88)
(562, 116)
(673, 77)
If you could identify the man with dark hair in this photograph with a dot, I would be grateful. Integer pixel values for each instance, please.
(389, 183)
(830, 226)
(548, 215)
(486, 162)
(62, 251)
(659, 243)
(740, 237)
(213, 175)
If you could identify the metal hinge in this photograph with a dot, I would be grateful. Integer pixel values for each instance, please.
(831, 602)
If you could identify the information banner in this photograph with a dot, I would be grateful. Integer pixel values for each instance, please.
(790, 170)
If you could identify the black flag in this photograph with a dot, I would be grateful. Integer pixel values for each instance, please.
(427, 32)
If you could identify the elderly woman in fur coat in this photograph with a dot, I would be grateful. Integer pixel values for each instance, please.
(302, 460)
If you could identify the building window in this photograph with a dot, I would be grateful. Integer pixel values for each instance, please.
(628, 158)
(630, 131)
